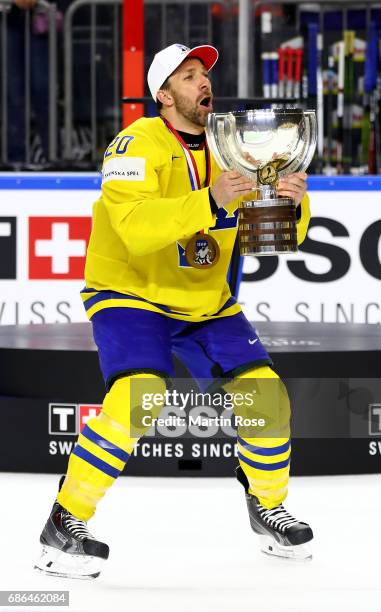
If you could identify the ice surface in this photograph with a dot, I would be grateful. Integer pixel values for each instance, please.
(185, 544)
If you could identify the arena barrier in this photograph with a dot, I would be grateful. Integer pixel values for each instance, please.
(334, 278)
(317, 312)
(51, 383)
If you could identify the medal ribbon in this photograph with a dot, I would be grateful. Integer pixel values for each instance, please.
(194, 179)
(191, 163)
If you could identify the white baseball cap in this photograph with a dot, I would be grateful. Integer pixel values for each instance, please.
(167, 60)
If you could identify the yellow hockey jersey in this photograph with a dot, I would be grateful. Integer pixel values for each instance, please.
(143, 221)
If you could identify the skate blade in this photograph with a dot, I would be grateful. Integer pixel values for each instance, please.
(300, 552)
(54, 562)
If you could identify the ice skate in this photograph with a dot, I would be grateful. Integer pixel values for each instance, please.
(68, 548)
(279, 532)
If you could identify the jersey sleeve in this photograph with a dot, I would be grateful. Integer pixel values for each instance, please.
(134, 171)
(303, 222)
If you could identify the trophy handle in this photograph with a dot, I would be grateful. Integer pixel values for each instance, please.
(212, 129)
(303, 160)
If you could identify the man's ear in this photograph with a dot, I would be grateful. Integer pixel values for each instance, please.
(164, 96)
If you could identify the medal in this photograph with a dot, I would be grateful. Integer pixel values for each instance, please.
(202, 251)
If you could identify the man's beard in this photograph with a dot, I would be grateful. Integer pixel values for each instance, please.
(190, 111)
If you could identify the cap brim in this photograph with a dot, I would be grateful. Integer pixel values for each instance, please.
(206, 53)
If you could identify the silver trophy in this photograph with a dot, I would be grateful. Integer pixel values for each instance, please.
(264, 145)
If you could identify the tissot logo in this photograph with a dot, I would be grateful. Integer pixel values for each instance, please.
(57, 247)
(70, 419)
(7, 248)
(63, 419)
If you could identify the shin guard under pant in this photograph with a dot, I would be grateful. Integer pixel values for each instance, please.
(264, 450)
(106, 442)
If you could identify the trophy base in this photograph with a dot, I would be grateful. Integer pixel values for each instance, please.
(267, 227)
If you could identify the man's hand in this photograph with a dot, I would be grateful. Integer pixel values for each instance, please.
(229, 186)
(25, 4)
(293, 186)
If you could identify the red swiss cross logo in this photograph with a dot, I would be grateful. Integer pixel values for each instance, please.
(57, 247)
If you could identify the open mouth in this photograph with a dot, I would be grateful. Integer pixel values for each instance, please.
(206, 101)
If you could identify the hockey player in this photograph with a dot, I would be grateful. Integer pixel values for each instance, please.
(156, 268)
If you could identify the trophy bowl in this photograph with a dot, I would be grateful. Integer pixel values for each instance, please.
(264, 144)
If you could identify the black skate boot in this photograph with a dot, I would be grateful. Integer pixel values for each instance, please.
(68, 548)
(280, 533)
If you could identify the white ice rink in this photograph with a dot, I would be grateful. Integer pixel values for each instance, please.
(185, 544)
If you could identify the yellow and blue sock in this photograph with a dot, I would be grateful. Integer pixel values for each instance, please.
(106, 443)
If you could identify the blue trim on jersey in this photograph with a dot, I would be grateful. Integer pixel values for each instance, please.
(88, 290)
(82, 453)
(93, 180)
(230, 302)
(264, 466)
(268, 452)
(106, 445)
(114, 295)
